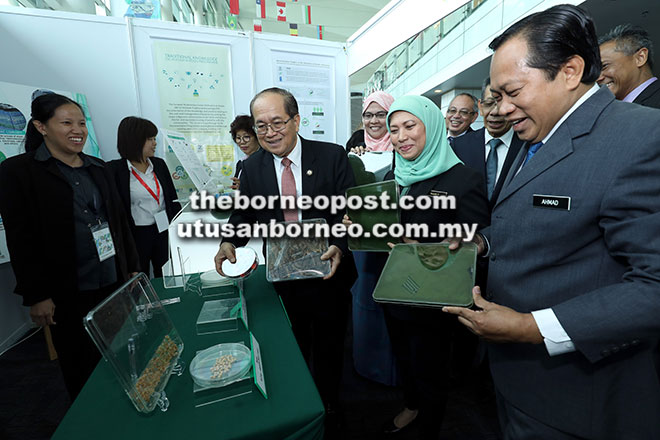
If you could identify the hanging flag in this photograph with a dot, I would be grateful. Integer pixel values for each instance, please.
(320, 32)
(281, 11)
(257, 25)
(293, 1)
(232, 21)
(261, 8)
(308, 14)
(293, 29)
(233, 7)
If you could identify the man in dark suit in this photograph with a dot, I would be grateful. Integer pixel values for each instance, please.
(626, 52)
(574, 244)
(318, 309)
(462, 112)
(491, 149)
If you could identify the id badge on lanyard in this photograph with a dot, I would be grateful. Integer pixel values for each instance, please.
(103, 240)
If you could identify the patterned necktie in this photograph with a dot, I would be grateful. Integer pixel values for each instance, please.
(532, 151)
(491, 166)
(288, 189)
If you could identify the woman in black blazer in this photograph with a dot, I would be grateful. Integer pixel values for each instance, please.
(52, 199)
(147, 190)
(425, 164)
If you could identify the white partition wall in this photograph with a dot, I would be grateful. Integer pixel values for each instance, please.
(315, 71)
(146, 33)
(75, 52)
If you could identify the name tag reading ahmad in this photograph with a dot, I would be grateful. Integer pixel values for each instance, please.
(552, 202)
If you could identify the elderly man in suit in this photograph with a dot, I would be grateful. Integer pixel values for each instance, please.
(574, 244)
(491, 149)
(626, 52)
(287, 164)
(462, 112)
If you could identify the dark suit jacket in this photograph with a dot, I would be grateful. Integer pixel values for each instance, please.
(472, 207)
(650, 96)
(597, 265)
(36, 204)
(123, 178)
(470, 148)
(325, 171)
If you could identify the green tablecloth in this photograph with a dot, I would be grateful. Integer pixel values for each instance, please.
(293, 409)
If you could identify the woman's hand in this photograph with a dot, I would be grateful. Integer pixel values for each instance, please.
(42, 312)
(360, 150)
(346, 220)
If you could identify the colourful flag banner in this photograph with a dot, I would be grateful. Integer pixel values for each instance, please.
(233, 7)
(293, 29)
(232, 21)
(320, 32)
(308, 14)
(281, 11)
(257, 25)
(261, 8)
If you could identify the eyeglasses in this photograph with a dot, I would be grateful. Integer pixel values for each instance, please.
(488, 103)
(275, 126)
(464, 113)
(243, 139)
(379, 115)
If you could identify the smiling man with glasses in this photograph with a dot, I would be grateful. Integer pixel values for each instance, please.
(462, 112)
(289, 165)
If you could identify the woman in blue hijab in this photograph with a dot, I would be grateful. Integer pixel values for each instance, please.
(425, 164)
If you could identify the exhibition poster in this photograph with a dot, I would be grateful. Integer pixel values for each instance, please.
(15, 104)
(196, 100)
(311, 79)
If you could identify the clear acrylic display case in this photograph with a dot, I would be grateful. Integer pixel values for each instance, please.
(136, 336)
(296, 258)
(219, 316)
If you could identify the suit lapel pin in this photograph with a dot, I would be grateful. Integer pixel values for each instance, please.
(309, 172)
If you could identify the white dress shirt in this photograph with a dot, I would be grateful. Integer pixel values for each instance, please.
(502, 150)
(555, 337)
(143, 205)
(295, 156)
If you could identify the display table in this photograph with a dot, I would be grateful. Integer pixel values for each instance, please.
(293, 409)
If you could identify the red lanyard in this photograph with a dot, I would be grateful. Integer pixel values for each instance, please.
(155, 196)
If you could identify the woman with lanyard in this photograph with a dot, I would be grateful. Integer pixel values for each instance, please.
(425, 164)
(147, 190)
(374, 136)
(67, 232)
(243, 134)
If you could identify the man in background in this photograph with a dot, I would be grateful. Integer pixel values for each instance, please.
(626, 52)
(462, 112)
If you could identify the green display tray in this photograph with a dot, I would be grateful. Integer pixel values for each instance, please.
(368, 218)
(428, 275)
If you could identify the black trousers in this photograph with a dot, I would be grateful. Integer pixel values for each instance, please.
(152, 248)
(421, 342)
(76, 352)
(318, 320)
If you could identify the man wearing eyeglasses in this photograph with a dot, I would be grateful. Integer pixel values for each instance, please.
(462, 112)
(287, 164)
(491, 149)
